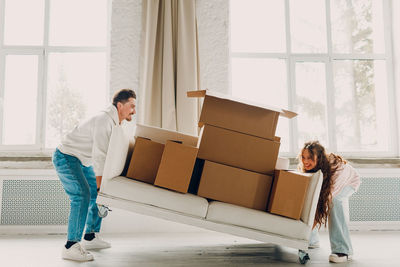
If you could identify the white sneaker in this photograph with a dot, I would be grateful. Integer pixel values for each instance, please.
(339, 258)
(95, 243)
(76, 253)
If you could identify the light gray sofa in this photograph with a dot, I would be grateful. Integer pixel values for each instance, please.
(121, 192)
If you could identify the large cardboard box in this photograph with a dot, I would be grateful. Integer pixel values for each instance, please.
(239, 115)
(235, 186)
(238, 150)
(288, 193)
(176, 166)
(146, 158)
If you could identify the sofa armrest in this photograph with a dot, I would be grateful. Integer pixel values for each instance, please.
(116, 155)
(311, 201)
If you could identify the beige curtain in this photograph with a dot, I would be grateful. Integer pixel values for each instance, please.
(169, 65)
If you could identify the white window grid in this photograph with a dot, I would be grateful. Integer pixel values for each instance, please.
(42, 52)
(328, 58)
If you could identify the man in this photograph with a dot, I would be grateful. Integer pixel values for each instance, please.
(79, 162)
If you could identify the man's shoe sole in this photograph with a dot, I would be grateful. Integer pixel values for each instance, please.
(339, 259)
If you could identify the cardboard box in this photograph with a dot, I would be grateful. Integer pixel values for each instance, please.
(288, 193)
(176, 166)
(235, 186)
(238, 150)
(146, 158)
(239, 115)
(162, 135)
(176, 158)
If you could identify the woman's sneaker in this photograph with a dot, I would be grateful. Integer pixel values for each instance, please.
(339, 257)
(76, 253)
(95, 243)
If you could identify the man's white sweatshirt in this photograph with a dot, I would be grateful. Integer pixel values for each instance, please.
(89, 140)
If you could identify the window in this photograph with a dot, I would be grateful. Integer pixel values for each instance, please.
(330, 61)
(53, 68)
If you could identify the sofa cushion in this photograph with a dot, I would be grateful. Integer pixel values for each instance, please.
(137, 191)
(258, 220)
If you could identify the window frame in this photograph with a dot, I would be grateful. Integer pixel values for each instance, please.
(42, 52)
(328, 58)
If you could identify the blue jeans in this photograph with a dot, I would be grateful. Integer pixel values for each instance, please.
(80, 185)
(339, 235)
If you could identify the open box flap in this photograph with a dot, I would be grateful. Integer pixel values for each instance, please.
(163, 135)
(202, 93)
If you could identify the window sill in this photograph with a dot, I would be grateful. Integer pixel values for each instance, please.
(25, 162)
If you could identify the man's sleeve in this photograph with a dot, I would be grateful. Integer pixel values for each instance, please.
(101, 139)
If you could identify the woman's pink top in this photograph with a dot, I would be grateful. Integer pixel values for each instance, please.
(345, 175)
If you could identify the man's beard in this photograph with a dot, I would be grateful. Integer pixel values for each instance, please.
(129, 118)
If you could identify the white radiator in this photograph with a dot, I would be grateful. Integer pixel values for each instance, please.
(376, 205)
(32, 200)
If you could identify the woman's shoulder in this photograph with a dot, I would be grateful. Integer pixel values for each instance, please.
(336, 161)
(343, 167)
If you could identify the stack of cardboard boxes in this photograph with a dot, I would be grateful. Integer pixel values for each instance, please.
(236, 157)
(240, 150)
(163, 158)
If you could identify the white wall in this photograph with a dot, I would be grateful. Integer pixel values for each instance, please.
(396, 58)
(213, 27)
(213, 23)
(125, 44)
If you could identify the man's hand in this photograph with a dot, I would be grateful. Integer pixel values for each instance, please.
(98, 182)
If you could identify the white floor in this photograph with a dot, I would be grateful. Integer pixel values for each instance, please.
(373, 249)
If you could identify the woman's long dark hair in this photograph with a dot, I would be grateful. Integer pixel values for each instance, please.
(328, 165)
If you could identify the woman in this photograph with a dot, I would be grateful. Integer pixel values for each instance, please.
(340, 181)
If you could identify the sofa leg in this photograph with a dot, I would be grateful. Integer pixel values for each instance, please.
(103, 211)
(303, 256)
